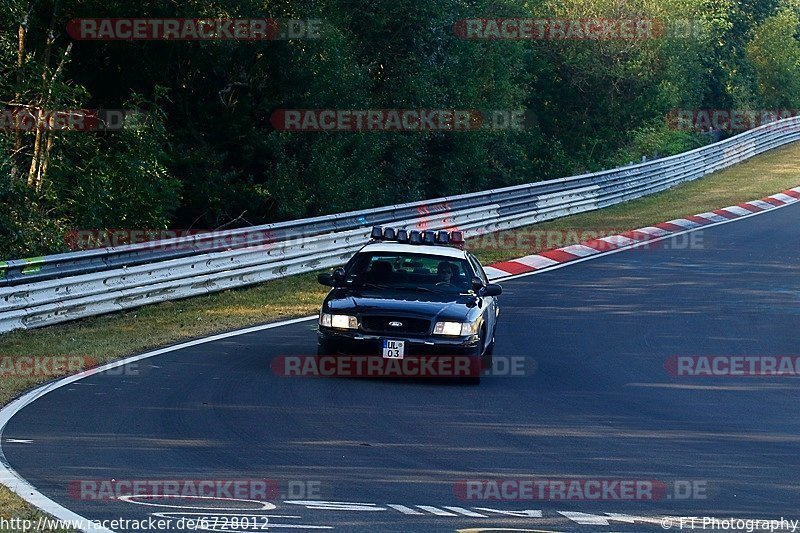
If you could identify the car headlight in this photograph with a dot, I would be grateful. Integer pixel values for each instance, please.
(338, 321)
(455, 329)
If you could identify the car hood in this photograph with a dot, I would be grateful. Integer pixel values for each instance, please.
(425, 305)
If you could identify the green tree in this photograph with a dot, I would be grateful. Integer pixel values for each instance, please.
(774, 53)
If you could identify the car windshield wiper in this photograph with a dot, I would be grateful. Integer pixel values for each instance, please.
(394, 287)
(367, 285)
(424, 289)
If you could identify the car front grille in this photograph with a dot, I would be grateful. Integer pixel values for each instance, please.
(380, 324)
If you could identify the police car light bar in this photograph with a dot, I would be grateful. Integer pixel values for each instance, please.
(414, 236)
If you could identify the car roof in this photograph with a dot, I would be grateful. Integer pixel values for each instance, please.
(443, 251)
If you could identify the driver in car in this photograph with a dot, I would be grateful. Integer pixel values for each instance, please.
(444, 273)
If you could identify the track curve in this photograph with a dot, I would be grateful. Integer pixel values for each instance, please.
(599, 405)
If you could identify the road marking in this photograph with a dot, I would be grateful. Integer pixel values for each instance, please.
(336, 506)
(435, 510)
(403, 509)
(445, 511)
(493, 529)
(588, 519)
(465, 512)
(458, 512)
(134, 499)
(527, 513)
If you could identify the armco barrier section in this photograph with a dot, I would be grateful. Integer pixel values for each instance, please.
(52, 289)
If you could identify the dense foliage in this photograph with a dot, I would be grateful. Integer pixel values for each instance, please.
(204, 154)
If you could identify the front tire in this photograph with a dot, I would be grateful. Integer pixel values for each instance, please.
(486, 358)
(324, 348)
(471, 380)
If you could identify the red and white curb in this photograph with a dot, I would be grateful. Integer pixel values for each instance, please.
(638, 237)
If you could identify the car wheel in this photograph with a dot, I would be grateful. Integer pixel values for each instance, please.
(481, 361)
(486, 358)
(324, 348)
(471, 380)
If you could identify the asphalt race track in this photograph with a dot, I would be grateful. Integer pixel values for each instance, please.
(596, 403)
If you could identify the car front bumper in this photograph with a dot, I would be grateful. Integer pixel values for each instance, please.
(342, 342)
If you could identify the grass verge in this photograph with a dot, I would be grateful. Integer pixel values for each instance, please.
(113, 336)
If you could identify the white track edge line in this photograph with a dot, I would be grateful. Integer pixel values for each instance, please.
(19, 485)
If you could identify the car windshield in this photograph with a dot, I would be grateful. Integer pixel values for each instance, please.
(409, 271)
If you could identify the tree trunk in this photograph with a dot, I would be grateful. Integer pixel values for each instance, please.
(22, 34)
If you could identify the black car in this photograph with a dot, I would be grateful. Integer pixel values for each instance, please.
(410, 294)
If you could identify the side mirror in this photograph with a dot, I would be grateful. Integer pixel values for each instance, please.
(477, 284)
(492, 289)
(338, 275)
(332, 279)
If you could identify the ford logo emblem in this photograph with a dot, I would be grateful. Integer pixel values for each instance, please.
(395, 324)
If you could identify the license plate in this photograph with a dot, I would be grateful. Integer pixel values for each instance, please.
(393, 349)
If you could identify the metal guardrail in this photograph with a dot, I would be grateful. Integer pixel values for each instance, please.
(52, 289)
